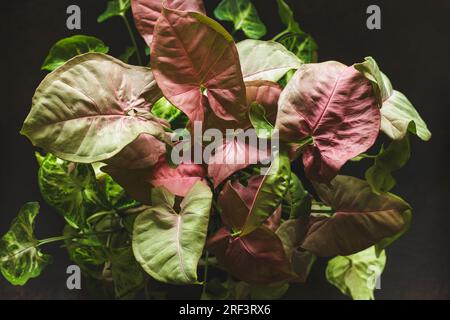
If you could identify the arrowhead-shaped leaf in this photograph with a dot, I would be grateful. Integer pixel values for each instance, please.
(20, 258)
(243, 14)
(361, 219)
(398, 115)
(265, 60)
(81, 122)
(169, 244)
(356, 275)
(147, 12)
(68, 48)
(335, 105)
(192, 53)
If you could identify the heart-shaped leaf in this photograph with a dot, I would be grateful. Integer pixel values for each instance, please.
(147, 12)
(265, 60)
(243, 14)
(70, 188)
(256, 258)
(20, 258)
(194, 58)
(335, 105)
(81, 122)
(398, 115)
(169, 244)
(68, 48)
(356, 275)
(361, 219)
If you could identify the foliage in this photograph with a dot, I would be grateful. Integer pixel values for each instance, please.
(135, 218)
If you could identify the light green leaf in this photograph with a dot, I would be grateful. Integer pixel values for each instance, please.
(129, 51)
(257, 115)
(271, 192)
(287, 17)
(168, 244)
(265, 60)
(114, 8)
(20, 258)
(356, 275)
(163, 109)
(127, 274)
(68, 48)
(243, 14)
(82, 105)
(398, 115)
(115, 194)
(388, 160)
(70, 188)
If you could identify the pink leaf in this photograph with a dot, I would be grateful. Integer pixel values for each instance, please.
(192, 53)
(147, 12)
(335, 105)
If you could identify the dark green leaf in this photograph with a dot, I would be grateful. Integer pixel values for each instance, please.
(125, 57)
(297, 202)
(70, 188)
(68, 48)
(114, 8)
(394, 157)
(243, 14)
(127, 275)
(20, 258)
(287, 17)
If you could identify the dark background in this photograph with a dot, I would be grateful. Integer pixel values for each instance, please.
(412, 49)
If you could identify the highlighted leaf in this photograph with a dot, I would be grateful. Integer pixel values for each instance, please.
(194, 58)
(168, 244)
(114, 8)
(335, 105)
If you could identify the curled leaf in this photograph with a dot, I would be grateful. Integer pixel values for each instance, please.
(335, 105)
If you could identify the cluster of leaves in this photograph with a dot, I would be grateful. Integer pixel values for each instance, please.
(134, 219)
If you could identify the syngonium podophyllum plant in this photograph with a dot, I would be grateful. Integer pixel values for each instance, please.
(136, 220)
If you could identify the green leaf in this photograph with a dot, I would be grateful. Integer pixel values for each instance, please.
(70, 188)
(287, 17)
(302, 45)
(257, 115)
(116, 195)
(168, 244)
(20, 258)
(297, 202)
(398, 115)
(243, 14)
(129, 51)
(163, 109)
(265, 60)
(78, 108)
(114, 8)
(271, 192)
(127, 274)
(68, 48)
(88, 252)
(388, 160)
(356, 275)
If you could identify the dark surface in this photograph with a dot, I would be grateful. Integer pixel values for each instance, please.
(412, 48)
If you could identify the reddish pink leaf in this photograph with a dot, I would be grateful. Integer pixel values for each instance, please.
(336, 106)
(147, 12)
(144, 152)
(177, 180)
(192, 53)
(234, 210)
(257, 258)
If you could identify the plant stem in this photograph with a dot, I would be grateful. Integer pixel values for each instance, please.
(133, 39)
(99, 215)
(205, 278)
(280, 35)
(53, 239)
